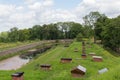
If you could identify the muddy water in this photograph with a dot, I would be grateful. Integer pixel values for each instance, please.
(12, 63)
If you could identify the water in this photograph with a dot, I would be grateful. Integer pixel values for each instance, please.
(13, 63)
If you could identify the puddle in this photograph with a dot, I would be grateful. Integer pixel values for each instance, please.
(13, 63)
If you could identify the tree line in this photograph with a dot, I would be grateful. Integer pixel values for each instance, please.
(108, 31)
(95, 25)
(60, 30)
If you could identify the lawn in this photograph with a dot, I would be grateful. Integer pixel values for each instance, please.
(61, 71)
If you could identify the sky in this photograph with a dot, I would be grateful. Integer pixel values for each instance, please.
(26, 13)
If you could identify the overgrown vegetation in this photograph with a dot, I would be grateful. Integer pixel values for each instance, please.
(105, 29)
(5, 46)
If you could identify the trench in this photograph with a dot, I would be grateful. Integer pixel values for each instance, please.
(18, 61)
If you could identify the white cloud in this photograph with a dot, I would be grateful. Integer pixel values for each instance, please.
(33, 12)
(6, 10)
(22, 17)
(30, 1)
(48, 3)
(109, 7)
(36, 5)
(19, 8)
(57, 16)
(41, 5)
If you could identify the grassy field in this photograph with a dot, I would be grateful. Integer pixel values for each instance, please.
(62, 71)
(5, 46)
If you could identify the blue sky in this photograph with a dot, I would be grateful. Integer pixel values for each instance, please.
(16, 2)
(27, 13)
(62, 4)
(66, 4)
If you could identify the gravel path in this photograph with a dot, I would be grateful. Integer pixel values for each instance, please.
(20, 48)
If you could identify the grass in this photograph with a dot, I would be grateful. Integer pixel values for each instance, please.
(113, 74)
(62, 71)
(5, 46)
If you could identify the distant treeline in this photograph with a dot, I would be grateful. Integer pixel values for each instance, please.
(60, 30)
(95, 25)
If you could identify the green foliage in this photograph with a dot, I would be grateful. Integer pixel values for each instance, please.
(88, 32)
(79, 37)
(75, 29)
(91, 18)
(99, 25)
(69, 29)
(60, 30)
(3, 37)
(24, 35)
(89, 21)
(13, 35)
(108, 30)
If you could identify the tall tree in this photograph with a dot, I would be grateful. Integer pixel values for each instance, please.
(36, 32)
(99, 25)
(111, 34)
(13, 34)
(24, 34)
(90, 20)
(75, 29)
(4, 37)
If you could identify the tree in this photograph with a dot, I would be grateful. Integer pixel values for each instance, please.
(69, 29)
(90, 20)
(24, 34)
(79, 37)
(13, 34)
(99, 25)
(64, 28)
(4, 37)
(51, 31)
(87, 32)
(111, 34)
(75, 29)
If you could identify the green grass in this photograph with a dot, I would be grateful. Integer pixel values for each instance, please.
(5, 46)
(112, 74)
(62, 71)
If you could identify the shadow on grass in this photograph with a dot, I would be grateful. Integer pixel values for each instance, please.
(112, 52)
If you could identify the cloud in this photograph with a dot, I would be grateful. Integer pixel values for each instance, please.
(48, 3)
(6, 10)
(109, 7)
(41, 5)
(33, 12)
(22, 17)
(30, 1)
(57, 16)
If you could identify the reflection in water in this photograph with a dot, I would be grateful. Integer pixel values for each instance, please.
(13, 63)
